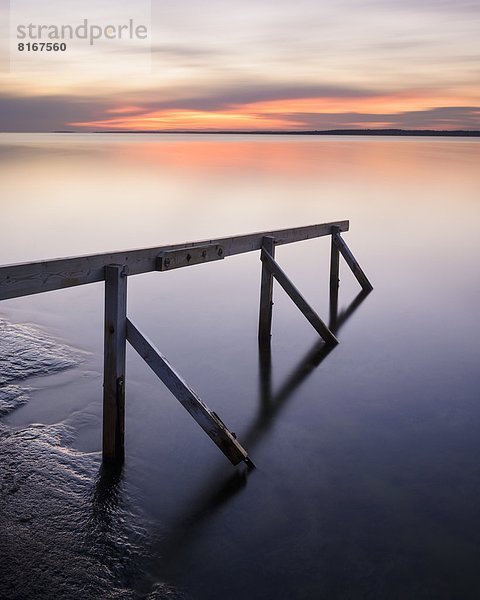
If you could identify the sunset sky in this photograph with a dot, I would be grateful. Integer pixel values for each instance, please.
(255, 64)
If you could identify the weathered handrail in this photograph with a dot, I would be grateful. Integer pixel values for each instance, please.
(29, 278)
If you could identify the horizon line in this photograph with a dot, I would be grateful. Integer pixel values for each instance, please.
(356, 131)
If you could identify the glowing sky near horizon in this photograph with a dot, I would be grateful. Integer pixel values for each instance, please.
(264, 64)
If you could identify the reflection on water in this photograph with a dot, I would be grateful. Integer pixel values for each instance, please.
(271, 403)
(337, 320)
(366, 478)
(212, 498)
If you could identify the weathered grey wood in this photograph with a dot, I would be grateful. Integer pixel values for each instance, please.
(334, 280)
(37, 277)
(266, 295)
(208, 420)
(352, 262)
(185, 257)
(298, 299)
(114, 363)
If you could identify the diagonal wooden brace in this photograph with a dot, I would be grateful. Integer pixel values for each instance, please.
(351, 260)
(305, 308)
(208, 420)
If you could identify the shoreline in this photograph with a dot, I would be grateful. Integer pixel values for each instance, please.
(328, 132)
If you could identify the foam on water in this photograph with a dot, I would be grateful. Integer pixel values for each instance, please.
(61, 522)
(12, 397)
(65, 528)
(26, 351)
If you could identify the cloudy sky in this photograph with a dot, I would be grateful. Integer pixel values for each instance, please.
(255, 64)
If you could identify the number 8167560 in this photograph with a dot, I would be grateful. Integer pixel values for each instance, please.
(41, 47)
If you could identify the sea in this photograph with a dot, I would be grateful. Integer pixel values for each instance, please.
(367, 473)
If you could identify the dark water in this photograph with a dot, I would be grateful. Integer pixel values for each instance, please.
(367, 474)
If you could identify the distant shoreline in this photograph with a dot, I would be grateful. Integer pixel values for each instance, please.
(348, 132)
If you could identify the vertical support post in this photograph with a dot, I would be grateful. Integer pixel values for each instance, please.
(334, 280)
(114, 362)
(266, 295)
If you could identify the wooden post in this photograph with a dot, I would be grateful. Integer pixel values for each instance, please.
(114, 362)
(266, 295)
(334, 280)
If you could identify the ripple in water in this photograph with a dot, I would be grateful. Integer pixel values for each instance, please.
(65, 528)
(26, 351)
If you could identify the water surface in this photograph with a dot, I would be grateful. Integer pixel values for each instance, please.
(367, 475)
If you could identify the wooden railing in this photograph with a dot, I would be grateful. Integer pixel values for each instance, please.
(114, 268)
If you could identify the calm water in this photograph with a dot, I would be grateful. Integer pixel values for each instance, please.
(368, 475)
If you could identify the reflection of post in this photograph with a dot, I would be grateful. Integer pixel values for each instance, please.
(341, 318)
(266, 295)
(272, 403)
(114, 363)
(334, 280)
(106, 496)
(265, 363)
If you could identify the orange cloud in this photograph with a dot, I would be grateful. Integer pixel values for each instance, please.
(367, 105)
(273, 114)
(120, 110)
(191, 119)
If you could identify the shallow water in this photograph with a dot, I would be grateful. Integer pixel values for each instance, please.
(366, 479)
